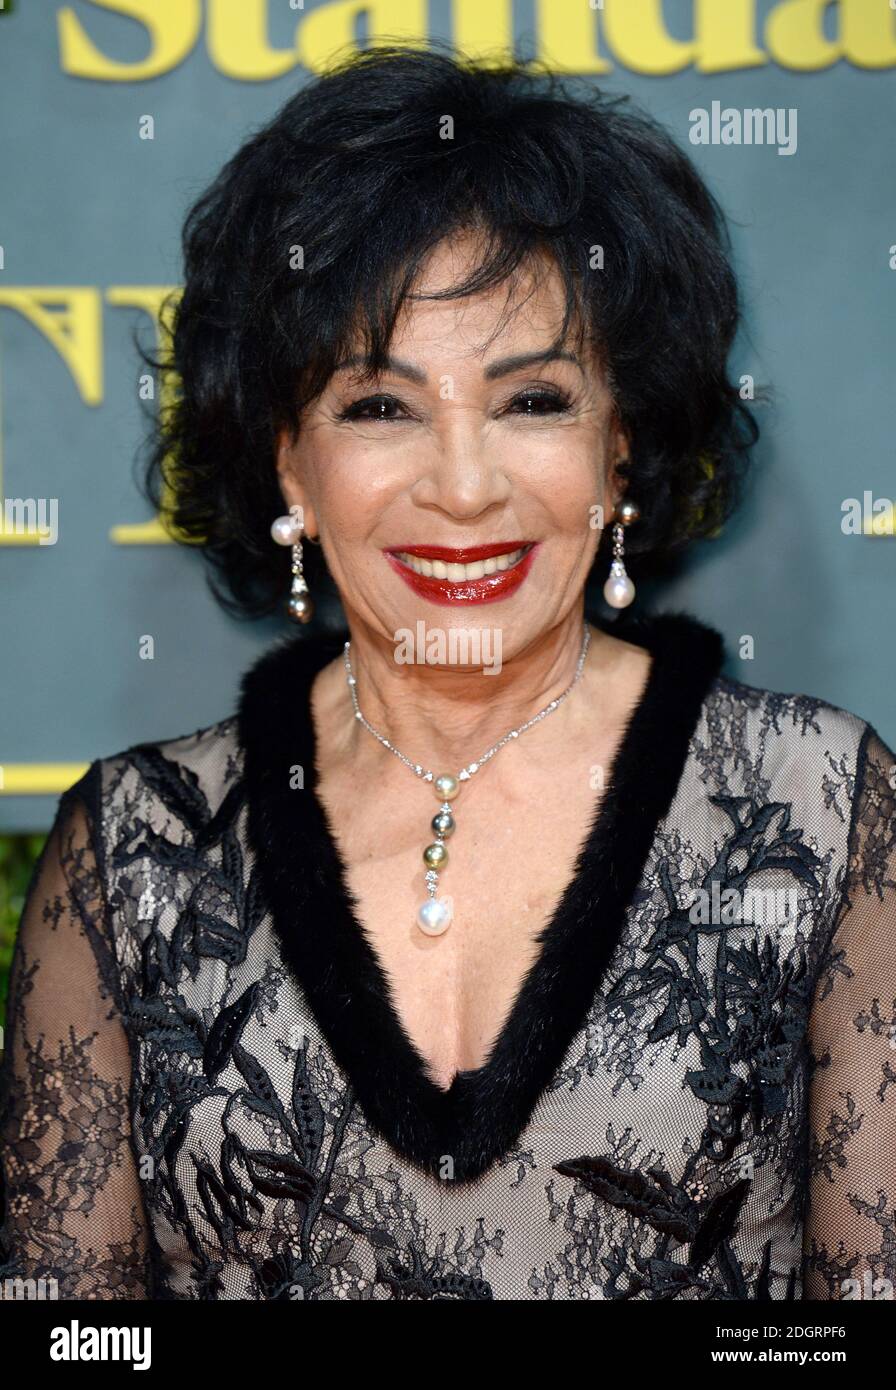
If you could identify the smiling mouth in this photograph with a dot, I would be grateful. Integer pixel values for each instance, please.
(432, 566)
(473, 574)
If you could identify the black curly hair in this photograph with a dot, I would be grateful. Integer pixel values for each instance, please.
(354, 170)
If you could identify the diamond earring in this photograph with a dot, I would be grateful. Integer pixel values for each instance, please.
(287, 530)
(619, 590)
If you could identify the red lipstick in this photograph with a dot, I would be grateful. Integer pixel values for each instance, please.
(487, 589)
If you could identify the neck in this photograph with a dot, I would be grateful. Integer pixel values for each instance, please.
(446, 716)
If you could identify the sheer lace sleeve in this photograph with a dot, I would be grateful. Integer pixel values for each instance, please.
(74, 1211)
(850, 1234)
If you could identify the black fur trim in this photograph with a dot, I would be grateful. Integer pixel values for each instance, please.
(482, 1115)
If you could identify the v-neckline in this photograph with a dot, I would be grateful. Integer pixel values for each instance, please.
(461, 1131)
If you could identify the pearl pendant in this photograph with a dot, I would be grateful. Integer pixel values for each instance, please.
(435, 856)
(434, 916)
(300, 605)
(446, 787)
(619, 590)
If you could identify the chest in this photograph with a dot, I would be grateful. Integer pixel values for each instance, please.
(511, 857)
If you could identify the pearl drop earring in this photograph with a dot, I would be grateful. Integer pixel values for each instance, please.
(287, 530)
(619, 591)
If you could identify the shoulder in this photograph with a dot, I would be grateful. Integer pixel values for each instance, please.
(185, 779)
(795, 721)
(165, 834)
(777, 745)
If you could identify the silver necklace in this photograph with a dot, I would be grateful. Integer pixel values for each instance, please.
(435, 914)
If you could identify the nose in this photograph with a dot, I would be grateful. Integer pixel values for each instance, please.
(464, 473)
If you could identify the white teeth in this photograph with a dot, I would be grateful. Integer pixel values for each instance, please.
(438, 569)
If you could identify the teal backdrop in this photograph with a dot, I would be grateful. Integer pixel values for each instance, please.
(89, 229)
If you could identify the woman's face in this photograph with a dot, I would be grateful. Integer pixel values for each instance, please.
(427, 483)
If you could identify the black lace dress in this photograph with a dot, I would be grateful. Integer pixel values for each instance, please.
(207, 1093)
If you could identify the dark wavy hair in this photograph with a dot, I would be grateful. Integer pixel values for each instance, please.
(354, 170)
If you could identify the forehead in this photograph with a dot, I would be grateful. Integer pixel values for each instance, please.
(523, 312)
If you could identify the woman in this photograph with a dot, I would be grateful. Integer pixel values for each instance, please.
(297, 1012)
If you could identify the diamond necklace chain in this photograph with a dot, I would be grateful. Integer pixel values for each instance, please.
(434, 916)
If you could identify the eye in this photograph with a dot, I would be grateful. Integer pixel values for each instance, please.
(372, 408)
(540, 402)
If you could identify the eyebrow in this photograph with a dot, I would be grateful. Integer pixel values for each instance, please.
(503, 367)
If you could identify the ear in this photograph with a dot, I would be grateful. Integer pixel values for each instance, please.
(615, 484)
(292, 482)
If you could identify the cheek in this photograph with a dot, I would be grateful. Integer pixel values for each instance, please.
(351, 486)
(564, 475)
